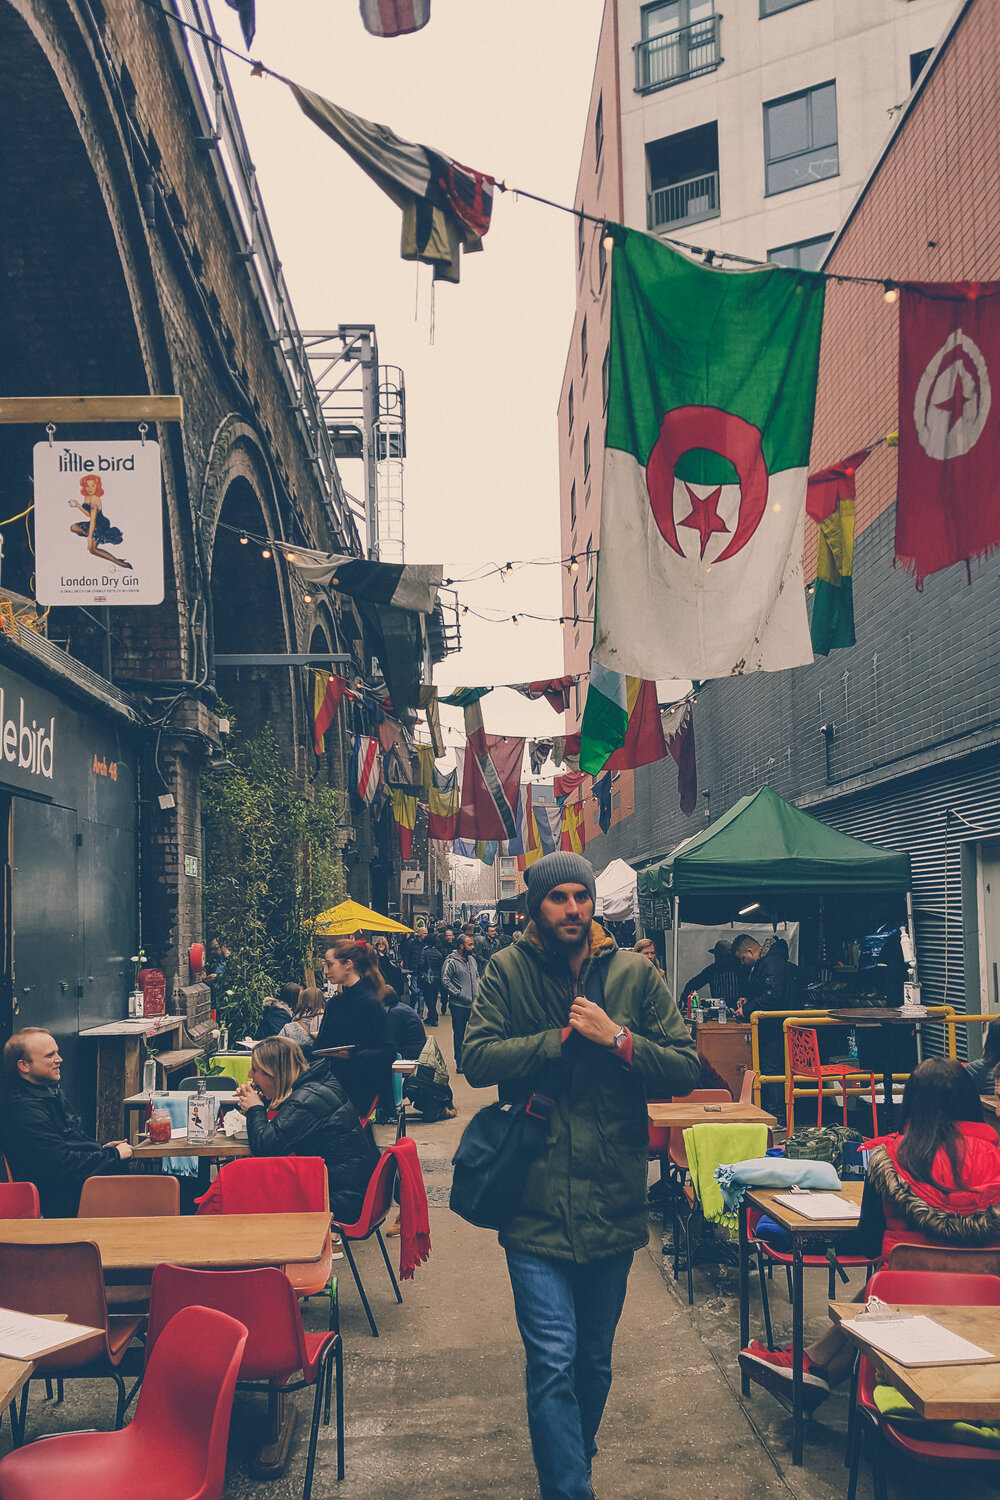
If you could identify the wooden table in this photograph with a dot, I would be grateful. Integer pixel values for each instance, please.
(223, 1147)
(801, 1230)
(14, 1376)
(119, 1065)
(199, 1241)
(678, 1115)
(942, 1393)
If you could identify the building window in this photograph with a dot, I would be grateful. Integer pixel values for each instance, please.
(616, 801)
(606, 377)
(602, 260)
(800, 138)
(508, 865)
(680, 39)
(572, 503)
(581, 233)
(918, 62)
(576, 700)
(599, 130)
(583, 344)
(586, 453)
(772, 7)
(506, 890)
(804, 255)
(590, 561)
(576, 600)
(569, 410)
(683, 178)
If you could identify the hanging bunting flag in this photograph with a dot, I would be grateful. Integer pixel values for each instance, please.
(446, 207)
(443, 801)
(490, 782)
(425, 759)
(403, 585)
(388, 734)
(573, 835)
(429, 704)
(565, 785)
(248, 21)
(830, 501)
(621, 723)
(678, 731)
(538, 753)
(463, 697)
(486, 850)
(404, 810)
(948, 496)
(367, 767)
(394, 17)
(544, 827)
(328, 693)
(566, 750)
(556, 691)
(710, 413)
(602, 791)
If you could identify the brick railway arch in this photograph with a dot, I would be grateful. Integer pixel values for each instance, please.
(78, 300)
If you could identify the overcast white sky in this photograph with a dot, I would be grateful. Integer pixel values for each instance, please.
(502, 86)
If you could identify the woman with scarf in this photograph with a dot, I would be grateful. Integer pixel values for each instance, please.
(937, 1183)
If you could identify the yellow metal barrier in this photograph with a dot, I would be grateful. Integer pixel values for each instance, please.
(946, 1013)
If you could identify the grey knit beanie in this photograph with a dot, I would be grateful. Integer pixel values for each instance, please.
(556, 869)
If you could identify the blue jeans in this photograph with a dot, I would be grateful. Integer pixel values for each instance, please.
(567, 1315)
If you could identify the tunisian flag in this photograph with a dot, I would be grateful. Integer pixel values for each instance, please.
(948, 507)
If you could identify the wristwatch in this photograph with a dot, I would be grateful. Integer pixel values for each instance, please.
(619, 1040)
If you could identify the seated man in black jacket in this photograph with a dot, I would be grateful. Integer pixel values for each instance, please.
(41, 1141)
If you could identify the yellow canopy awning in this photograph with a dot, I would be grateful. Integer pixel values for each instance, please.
(351, 916)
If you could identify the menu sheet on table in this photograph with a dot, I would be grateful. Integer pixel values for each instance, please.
(23, 1336)
(820, 1205)
(918, 1340)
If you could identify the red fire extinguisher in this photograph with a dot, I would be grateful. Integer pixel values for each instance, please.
(196, 959)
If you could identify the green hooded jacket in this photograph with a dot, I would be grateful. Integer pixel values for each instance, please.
(585, 1195)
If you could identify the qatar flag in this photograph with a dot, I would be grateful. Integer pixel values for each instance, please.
(948, 505)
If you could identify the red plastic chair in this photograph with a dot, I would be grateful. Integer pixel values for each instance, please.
(175, 1446)
(277, 1346)
(374, 1212)
(19, 1200)
(804, 1063)
(927, 1288)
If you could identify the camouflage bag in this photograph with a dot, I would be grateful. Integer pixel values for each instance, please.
(821, 1143)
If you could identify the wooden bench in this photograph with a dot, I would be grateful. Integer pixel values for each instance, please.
(172, 1062)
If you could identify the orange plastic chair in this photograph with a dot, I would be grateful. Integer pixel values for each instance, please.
(175, 1446)
(374, 1212)
(277, 1346)
(683, 1195)
(804, 1064)
(143, 1197)
(68, 1279)
(916, 1288)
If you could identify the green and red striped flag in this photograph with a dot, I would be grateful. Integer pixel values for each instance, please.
(710, 414)
(621, 726)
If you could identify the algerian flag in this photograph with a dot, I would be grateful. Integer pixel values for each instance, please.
(710, 412)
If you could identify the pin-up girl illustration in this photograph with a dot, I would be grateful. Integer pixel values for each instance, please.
(97, 528)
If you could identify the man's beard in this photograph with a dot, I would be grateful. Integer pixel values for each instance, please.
(558, 935)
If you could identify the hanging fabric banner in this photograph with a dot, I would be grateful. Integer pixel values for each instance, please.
(367, 767)
(556, 691)
(490, 781)
(394, 17)
(602, 792)
(446, 207)
(710, 414)
(573, 836)
(328, 694)
(404, 810)
(948, 496)
(443, 802)
(621, 723)
(678, 731)
(565, 785)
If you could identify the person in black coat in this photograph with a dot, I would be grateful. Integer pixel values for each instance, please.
(388, 968)
(429, 961)
(356, 1017)
(405, 1026)
(294, 1109)
(41, 1140)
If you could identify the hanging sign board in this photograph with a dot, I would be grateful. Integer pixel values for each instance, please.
(411, 882)
(98, 523)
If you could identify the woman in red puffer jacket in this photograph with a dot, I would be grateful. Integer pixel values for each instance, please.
(938, 1183)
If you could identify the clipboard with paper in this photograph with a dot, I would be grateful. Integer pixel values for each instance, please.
(916, 1340)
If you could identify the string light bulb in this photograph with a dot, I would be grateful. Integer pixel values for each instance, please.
(891, 293)
(608, 243)
(307, 598)
(513, 619)
(292, 557)
(574, 566)
(244, 540)
(265, 552)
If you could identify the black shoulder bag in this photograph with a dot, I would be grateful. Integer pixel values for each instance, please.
(500, 1142)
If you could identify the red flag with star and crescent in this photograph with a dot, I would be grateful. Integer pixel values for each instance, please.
(948, 505)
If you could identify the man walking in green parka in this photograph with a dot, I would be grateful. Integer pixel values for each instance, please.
(569, 1014)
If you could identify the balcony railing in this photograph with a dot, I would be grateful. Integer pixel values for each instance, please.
(684, 202)
(678, 55)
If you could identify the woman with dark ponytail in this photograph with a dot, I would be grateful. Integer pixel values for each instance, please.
(356, 1017)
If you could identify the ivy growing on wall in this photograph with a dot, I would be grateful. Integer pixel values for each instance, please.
(271, 863)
